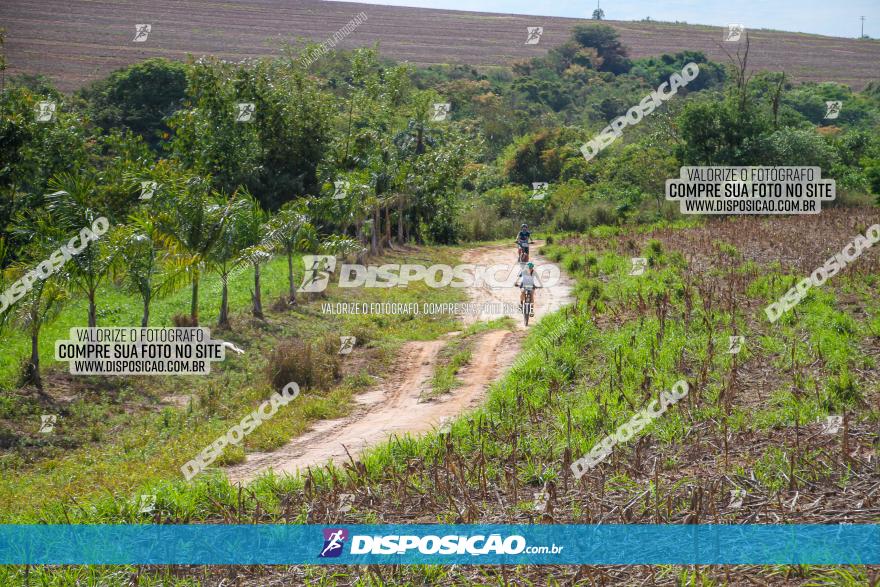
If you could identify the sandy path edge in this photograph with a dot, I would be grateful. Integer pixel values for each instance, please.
(392, 408)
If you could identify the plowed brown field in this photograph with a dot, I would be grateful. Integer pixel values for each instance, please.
(75, 41)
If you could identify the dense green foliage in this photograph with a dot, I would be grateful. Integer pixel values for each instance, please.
(346, 157)
(351, 148)
(350, 117)
(139, 98)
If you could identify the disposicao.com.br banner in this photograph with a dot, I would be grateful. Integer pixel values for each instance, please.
(440, 544)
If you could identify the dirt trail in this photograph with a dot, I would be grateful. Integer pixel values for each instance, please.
(549, 299)
(393, 407)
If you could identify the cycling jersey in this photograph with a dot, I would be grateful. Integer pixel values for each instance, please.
(524, 235)
(527, 279)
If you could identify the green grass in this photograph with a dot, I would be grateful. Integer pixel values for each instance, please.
(115, 435)
(457, 354)
(444, 379)
(584, 371)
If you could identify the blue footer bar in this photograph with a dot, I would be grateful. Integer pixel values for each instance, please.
(205, 544)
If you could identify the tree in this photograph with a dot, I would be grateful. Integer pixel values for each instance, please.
(598, 14)
(872, 171)
(411, 143)
(224, 256)
(656, 70)
(139, 98)
(190, 229)
(435, 179)
(293, 127)
(291, 231)
(251, 229)
(429, 160)
(643, 166)
(138, 262)
(41, 304)
(73, 210)
(277, 152)
(351, 213)
(607, 43)
(797, 147)
(722, 132)
(31, 152)
(209, 140)
(534, 157)
(368, 155)
(2, 59)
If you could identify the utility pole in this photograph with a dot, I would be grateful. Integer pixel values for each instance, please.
(863, 27)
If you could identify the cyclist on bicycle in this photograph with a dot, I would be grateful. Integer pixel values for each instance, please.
(522, 241)
(528, 279)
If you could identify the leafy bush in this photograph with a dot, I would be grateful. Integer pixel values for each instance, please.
(483, 222)
(311, 366)
(607, 43)
(842, 391)
(139, 97)
(573, 264)
(797, 147)
(183, 321)
(656, 70)
(533, 158)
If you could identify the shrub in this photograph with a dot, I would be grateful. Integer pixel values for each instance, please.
(842, 391)
(582, 216)
(183, 321)
(602, 214)
(655, 247)
(482, 222)
(654, 252)
(281, 304)
(573, 264)
(589, 291)
(575, 218)
(363, 333)
(231, 455)
(310, 365)
(591, 261)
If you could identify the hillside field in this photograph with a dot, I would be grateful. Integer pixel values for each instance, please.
(77, 41)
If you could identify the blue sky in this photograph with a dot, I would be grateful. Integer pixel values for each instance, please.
(839, 19)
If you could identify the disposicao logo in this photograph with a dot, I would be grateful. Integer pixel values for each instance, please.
(431, 544)
(334, 540)
(316, 277)
(449, 544)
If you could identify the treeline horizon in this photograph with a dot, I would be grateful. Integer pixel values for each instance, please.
(348, 157)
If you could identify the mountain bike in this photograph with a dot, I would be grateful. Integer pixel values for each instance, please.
(523, 253)
(528, 303)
